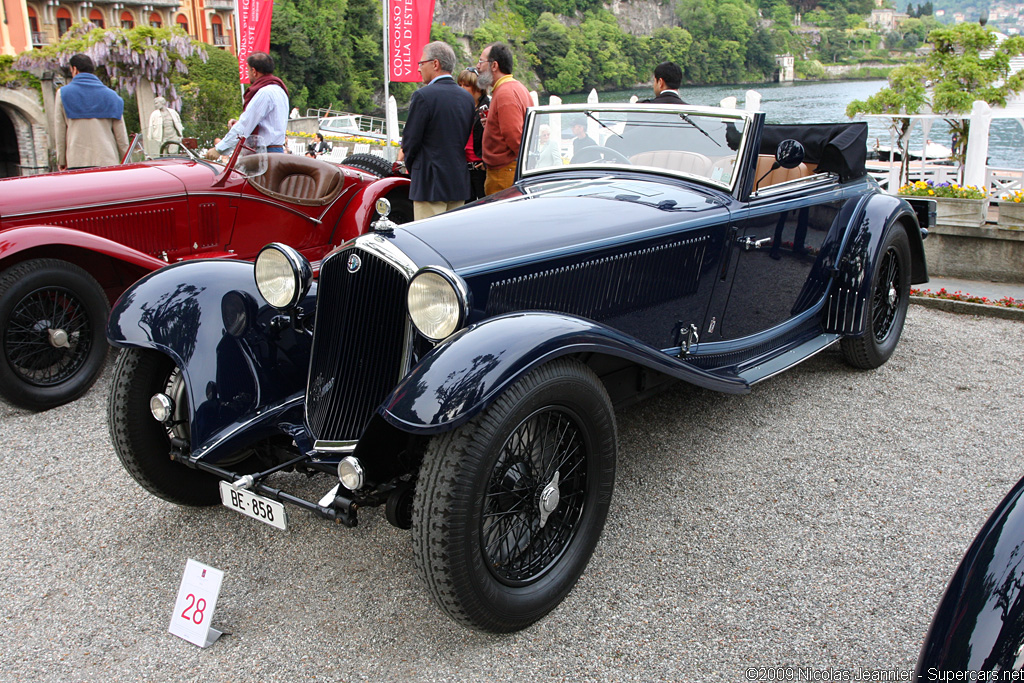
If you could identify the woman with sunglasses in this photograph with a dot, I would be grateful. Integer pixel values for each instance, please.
(477, 172)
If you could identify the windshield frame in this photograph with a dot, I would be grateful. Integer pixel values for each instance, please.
(536, 114)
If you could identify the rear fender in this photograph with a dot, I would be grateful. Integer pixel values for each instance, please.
(355, 219)
(468, 371)
(240, 359)
(846, 305)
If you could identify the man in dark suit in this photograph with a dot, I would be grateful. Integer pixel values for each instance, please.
(667, 79)
(435, 135)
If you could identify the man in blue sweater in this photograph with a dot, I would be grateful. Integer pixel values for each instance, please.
(89, 123)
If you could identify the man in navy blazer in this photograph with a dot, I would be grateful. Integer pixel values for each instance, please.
(667, 79)
(436, 131)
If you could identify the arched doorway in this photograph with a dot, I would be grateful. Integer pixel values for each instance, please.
(24, 143)
(10, 157)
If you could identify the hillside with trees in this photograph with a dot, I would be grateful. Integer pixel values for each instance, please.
(329, 51)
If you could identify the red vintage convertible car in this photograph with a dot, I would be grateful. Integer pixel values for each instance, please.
(71, 242)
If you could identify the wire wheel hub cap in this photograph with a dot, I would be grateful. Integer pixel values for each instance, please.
(534, 501)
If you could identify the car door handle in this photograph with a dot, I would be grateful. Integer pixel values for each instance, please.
(749, 244)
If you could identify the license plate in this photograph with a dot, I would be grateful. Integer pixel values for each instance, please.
(248, 503)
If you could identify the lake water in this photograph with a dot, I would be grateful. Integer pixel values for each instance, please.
(825, 102)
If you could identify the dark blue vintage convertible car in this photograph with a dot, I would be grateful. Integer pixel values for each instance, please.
(463, 370)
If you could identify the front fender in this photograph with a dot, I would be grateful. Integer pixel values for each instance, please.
(979, 625)
(468, 371)
(237, 359)
(16, 240)
(355, 219)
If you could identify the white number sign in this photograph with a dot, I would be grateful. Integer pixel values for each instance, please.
(197, 598)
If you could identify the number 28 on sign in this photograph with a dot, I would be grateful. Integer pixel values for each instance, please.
(197, 598)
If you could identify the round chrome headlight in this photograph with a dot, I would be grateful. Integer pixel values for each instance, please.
(438, 302)
(283, 275)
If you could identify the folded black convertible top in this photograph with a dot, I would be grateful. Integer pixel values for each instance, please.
(835, 147)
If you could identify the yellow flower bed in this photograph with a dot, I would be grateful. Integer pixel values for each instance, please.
(925, 188)
(350, 139)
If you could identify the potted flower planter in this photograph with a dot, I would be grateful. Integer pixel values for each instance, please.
(1011, 215)
(966, 212)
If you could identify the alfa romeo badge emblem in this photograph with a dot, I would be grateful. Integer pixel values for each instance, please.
(354, 263)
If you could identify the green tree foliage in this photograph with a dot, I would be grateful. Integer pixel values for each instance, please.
(445, 34)
(600, 36)
(905, 95)
(722, 32)
(959, 75)
(328, 52)
(210, 96)
(509, 27)
(12, 78)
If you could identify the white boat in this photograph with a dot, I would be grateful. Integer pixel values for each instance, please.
(933, 151)
(340, 124)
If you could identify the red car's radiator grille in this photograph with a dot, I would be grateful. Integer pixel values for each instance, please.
(148, 231)
(359, 343)
(605, 287)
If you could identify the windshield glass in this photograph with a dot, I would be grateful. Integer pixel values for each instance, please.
(693, 143)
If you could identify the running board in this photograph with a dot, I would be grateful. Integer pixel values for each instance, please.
(787, 359)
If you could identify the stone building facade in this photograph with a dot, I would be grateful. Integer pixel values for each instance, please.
(24, 126)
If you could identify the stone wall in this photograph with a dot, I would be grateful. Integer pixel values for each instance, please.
(986, 253)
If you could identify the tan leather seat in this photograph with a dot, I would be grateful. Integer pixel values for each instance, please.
(725, 167)
(296, 179)
(674, 160)
(779, 175)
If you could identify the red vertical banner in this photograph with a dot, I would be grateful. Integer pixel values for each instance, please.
(253, 31)
(408, 31)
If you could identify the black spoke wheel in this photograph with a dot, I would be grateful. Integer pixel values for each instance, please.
(886, 305)
(534, 500)
(52, 314)
(510, 506)
(142, 444)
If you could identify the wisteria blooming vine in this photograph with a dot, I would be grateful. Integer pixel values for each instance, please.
(127, 55)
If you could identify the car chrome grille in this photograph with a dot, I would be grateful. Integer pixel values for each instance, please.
(359, 343)
(605, 287)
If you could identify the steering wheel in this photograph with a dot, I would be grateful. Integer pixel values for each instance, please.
(167, 145)
(187, 151)
(594, 153)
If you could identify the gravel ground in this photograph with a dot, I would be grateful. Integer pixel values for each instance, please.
(812, 523)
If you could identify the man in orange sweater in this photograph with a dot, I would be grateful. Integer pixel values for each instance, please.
(503, 129)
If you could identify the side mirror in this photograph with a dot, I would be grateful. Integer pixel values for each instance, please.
(789, 154)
